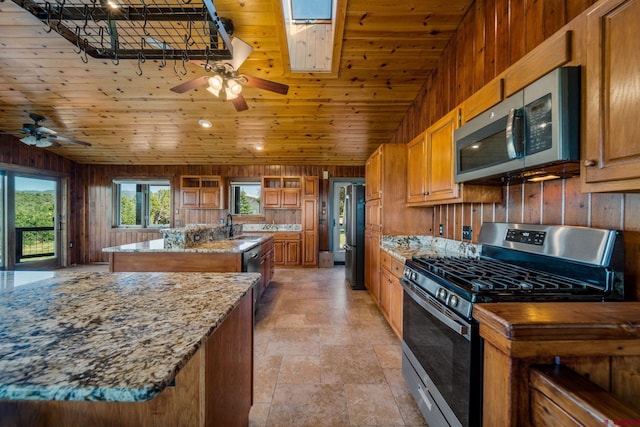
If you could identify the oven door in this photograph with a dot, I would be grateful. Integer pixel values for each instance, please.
(445, 353)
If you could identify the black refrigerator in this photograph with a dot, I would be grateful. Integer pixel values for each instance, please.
(354, 233)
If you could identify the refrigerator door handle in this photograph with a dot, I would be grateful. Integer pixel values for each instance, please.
(347, 247)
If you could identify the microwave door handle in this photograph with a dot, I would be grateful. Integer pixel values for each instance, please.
(513, 133)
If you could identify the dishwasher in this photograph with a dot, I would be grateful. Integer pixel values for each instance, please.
(251, 264)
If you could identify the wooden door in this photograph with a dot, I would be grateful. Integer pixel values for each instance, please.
(278, 252)
(292, 254)
(210, 198)
(189, 197)
(395, 305)
(440, 146)
(612, 146)
(385, 295)
(290, 198)
(271, 197)
(417, 169)
(373, 171)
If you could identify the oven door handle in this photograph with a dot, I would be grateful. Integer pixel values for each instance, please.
(423, 301)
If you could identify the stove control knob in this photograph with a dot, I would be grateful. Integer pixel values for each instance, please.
(414, 276)
(442, 294)
(453, 301)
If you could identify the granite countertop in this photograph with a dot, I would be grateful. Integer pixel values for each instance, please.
(106, 336)
(406, 247)
(237, 244)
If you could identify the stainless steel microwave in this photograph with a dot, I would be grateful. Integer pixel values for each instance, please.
(536, 131)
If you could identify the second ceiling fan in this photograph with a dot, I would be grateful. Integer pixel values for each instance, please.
(226, 82)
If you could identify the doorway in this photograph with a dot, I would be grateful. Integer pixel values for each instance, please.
(336, 219)
(31, 219)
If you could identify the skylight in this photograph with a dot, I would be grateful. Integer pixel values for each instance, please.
(310, 26)
(310, 10)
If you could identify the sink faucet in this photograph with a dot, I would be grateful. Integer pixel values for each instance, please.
(230, 225)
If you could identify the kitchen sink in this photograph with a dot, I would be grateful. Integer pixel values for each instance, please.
(243, 238)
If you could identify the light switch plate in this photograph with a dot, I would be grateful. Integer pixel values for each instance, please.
(441, 229)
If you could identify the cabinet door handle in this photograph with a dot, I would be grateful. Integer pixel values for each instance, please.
(589, 163)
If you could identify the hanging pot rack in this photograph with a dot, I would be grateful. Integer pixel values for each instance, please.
(165, 30)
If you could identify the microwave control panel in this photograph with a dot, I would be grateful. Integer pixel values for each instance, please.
(538, 125)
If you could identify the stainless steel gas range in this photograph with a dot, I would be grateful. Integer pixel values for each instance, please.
(442, 350)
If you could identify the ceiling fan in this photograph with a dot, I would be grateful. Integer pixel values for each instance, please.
(40, 136)
(227, 82)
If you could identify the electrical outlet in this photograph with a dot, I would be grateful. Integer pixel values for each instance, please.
(466, 232)
(441, 229)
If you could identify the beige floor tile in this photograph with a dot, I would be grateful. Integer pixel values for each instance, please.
(389, 356)
(294, 341)
(407, 405)
(265, 375)
(259, 414)
(300, 370)
(350, 364)
(372, 405)
(309, 405)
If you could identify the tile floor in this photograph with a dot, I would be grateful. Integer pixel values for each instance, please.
(325, 356)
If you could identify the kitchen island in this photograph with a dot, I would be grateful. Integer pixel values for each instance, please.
(126, 348)
(223, 255)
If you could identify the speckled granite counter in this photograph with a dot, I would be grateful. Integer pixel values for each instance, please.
(238, 244)
(106, 336)
(272, 227)
(405, 247)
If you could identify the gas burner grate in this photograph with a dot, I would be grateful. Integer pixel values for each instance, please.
(487, 276)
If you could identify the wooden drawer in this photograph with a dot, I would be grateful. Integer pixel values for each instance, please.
(397, 267)
(285, 235)
(385, 260)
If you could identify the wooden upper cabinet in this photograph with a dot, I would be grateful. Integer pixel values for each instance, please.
(611, 156)
(488, 96)
(417, 169)
(202, 192)
(281, 192)
(440, 156)
(431, 167)
(310, 186)
(373, 172)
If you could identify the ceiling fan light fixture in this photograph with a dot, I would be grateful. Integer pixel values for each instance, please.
(234, 87)
(215, 84)
(29, 140)
(43, 143)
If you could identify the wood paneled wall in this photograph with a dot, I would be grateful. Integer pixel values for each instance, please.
(97, 216)
(494, 35)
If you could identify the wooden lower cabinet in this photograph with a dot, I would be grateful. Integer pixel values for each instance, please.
(287, 248)
(266, 263)
(214, 388)
(372, 264)
(391, 291)
(596, 340)
(175, 262)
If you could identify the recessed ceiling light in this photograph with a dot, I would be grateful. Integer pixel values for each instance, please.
(204, 123)
(259, 147)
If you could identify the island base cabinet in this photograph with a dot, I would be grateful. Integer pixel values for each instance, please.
(214, 389)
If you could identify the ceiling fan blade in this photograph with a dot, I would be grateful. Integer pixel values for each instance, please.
(44, 130)
(240, 103)
(54, 138)
(191, 84)
(241, 51)
(259, 83)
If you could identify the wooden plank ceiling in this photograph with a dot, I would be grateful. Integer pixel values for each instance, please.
(388, 50)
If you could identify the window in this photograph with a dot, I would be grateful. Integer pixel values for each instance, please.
(142, 203)
(246, 198)
(304, 11)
